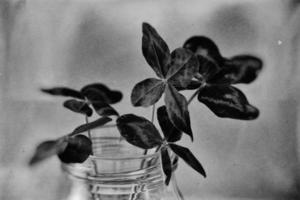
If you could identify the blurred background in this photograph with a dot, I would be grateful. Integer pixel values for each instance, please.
(76, 42)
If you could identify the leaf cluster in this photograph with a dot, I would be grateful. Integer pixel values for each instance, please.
(198, 65)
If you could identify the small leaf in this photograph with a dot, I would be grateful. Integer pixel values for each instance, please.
(171, 133)
(147, 92)
(98, 92)
(166, 165)
(85, 127)
(188, 157)
(177, 109)
(138, 131)
(183, 67)
(155, 50)
(78, 107)
(47, 149)
(239, 69)
(63, 91)
(104, 109)
(228, 102)
(204, 46)
(77, 151)
(191, 86)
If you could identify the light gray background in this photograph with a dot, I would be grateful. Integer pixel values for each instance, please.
(72, 43)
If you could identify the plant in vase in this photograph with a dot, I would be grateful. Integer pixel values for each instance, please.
(198, 66)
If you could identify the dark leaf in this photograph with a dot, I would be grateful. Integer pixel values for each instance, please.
(177, 109)
(183, 67)
(47, 149)
(63, 91)
(147, 92)
(201, 45)
(99, 92)
(166, 165)
(77, 151)
(155, 50)
(191, 86)
(78, 107)
(138, 131)
(228, 102)
(207, 67)
(85, 127)
(104, 109)
(171, 133)
(188, 157)
(239, 69)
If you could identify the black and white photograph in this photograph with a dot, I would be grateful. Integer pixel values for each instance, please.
(149, 100)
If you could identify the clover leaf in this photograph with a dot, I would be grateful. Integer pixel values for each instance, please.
(147, 92)
(227, 101)
(188, 157)
(139, 131)
(177, 109)
(171, 133)
(63, 91)
(96, 94)
(47, 149)
(175, 70)
(78, 107)
(155, 50)
(216, 74)
(166, 164)
(77, 150)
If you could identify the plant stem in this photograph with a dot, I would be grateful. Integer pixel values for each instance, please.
(90, 137)
(152, 120)
(193, 96)
(196, 92)
(153, 113)
(176, 189)
(89, 132)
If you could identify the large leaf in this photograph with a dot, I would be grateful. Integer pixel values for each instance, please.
(138, 131)
(77, 151)
(239, 69)
(47, 149)
(183, 67)
(228, 102)
(147, 92)
(171, 133)
(155, 50)
(166, 165)
(98, 92)
(63, 91)
(188, 157)
(94, 124)
(78, 107)
(104, 109)
(177, 109)
(204, 46)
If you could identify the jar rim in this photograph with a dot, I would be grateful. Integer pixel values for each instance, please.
(130, 157)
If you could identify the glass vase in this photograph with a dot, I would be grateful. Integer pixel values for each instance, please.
(119, 171)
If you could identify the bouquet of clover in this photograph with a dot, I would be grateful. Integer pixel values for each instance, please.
(198, 66)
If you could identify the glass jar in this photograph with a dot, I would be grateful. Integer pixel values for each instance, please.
(119, 171)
